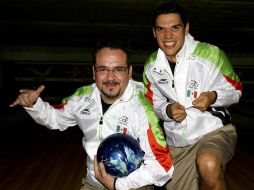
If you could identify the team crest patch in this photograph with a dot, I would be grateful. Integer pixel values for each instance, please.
(192, 87)
(122, 125)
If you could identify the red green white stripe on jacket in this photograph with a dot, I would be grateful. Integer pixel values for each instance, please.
(156, 137)
(218, 57)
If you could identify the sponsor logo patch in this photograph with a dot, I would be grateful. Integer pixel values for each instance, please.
(163, 81)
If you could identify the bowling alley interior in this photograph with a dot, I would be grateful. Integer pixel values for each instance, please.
(50, 42)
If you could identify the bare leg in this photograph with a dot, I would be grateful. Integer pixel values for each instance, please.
(211, 172)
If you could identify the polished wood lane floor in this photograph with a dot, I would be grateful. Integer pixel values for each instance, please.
(35, 158)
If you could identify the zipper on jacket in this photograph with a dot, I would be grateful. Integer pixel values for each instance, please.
(100, 128)
(101, 121)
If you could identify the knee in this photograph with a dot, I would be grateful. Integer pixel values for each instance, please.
(209, 164)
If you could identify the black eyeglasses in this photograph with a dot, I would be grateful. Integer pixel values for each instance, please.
(115, 70)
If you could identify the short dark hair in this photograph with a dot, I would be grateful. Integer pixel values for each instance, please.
(170, 7)
(112, 44)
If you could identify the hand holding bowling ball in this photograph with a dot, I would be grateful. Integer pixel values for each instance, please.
(121, 154)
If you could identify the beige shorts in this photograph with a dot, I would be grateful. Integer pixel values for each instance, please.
(220, 142)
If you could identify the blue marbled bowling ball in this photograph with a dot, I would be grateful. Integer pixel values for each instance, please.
(121, 154)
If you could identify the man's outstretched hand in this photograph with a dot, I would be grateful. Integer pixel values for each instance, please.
(28, 97)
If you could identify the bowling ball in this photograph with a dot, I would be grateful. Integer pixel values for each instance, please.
(120, 153)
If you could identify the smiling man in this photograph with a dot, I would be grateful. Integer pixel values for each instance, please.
(190, 84)
(111, 82)
(99, 109)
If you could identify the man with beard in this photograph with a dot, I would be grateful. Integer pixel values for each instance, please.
(99, 109)
(189, 84)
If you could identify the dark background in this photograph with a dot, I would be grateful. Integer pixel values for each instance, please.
(226, 23)
(50, 42)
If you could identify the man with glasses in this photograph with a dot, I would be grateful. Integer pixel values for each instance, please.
(99, 110)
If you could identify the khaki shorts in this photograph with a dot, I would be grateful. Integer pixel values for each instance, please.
(88, 186)
(220, 142)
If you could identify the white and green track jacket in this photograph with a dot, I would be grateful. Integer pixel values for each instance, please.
(200, 67)
(132, 114)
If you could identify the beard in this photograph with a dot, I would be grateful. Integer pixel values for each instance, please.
(111, 89)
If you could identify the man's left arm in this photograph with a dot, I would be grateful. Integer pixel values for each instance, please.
(204, 100)
(102, 176)
(222, 80)
(157, 167)
(225, 82)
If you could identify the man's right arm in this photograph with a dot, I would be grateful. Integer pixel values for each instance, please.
(176, 112)
(28, 97)
(45, 114)
(158, 100)
(42, 112)
(165, 110)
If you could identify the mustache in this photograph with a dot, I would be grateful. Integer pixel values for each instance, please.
(111, 82)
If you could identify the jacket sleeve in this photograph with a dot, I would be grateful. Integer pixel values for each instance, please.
(224, 81)
(53, 118)
(158, 100)
(157, 167)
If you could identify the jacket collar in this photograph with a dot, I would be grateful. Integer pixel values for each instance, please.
(188, 47)
(161, 62)
(129, 91)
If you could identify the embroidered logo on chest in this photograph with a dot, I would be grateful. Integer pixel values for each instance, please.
(163, 81)
(192, 87)
(122, 125)
(85, 111)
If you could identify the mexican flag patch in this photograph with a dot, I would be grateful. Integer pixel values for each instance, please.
(121, 130)
(192, 93)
